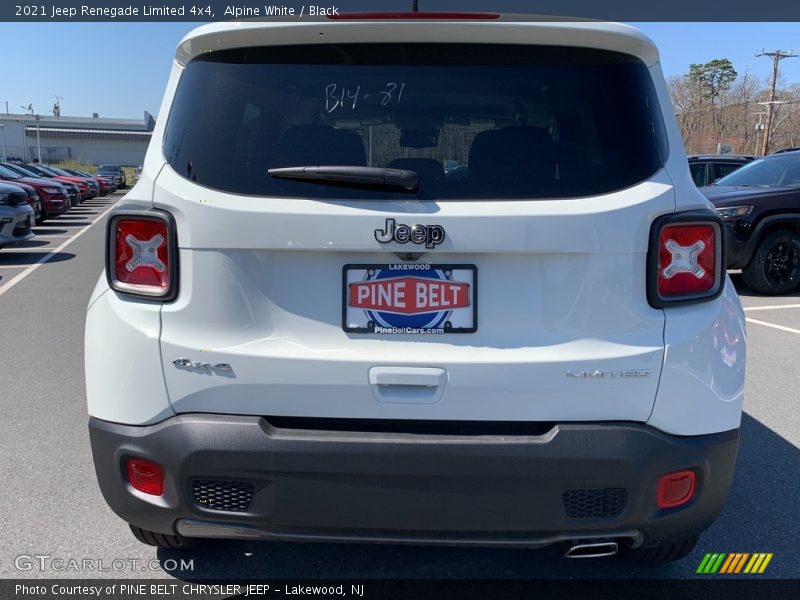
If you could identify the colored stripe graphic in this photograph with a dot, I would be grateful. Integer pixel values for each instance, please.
(704, 563)
(711, 563)
(717, 563)
(741, 562)
(734, 563)
(763, 563)
(728, 563)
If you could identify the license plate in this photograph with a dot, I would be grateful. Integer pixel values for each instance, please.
(409, 298)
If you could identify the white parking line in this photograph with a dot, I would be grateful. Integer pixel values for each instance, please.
(764, 323)
(772, 307)
(17, 278)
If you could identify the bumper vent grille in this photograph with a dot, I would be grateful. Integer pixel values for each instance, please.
(231, 496)
(599, 503)
(23, 228)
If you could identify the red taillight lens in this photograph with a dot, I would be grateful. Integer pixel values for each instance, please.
(146, 476)
(141, 255)
(686, 259)
(675, 489)
(686, 262)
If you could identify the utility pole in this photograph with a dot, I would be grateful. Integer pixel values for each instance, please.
(38, 145)
(759, 127)
(777, 56)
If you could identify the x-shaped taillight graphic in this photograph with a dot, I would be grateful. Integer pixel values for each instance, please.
(684, 259)
(144, 253)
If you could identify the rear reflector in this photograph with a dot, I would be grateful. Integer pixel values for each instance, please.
(146, 476)
(142, 254)
(685, 262)
(675, 489)
(450, 16)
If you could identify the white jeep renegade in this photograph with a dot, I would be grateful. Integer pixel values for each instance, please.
(416, 280)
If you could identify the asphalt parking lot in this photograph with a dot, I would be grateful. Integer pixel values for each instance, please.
(52, 506)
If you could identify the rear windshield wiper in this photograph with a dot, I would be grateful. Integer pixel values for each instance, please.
(376, 176)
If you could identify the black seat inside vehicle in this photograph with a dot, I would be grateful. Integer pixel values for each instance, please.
(518, 159)
(312, 145)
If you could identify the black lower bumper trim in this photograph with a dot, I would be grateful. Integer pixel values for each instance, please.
(409, 488)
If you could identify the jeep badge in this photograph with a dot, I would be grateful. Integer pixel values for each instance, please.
(430, 235)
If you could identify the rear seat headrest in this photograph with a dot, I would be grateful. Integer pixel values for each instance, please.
(517, 157)
(303, 145)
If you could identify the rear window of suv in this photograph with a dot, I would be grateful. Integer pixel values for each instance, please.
(473, 121)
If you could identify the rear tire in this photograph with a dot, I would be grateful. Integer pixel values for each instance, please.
(664, 551)
(775, 265)
(162, 540)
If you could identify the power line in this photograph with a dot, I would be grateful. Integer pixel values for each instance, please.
(777, 56)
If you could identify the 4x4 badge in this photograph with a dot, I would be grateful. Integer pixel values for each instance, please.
(430, 235)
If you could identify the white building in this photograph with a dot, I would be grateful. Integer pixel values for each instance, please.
(91, 140)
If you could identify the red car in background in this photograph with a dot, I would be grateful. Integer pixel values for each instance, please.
(70, 189)
(44, 172)
(94, 185)
(107, 184)
(52, 195)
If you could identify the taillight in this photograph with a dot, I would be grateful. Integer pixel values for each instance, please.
(141, 256)
(146, 476)
(686, 260)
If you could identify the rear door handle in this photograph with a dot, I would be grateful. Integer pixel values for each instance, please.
(412, 385)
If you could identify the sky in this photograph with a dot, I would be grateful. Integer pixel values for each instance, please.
(120, 69)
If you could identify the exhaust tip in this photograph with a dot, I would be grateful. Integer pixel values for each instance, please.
(592, 549)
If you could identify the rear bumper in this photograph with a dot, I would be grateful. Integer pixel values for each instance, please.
(566, 482)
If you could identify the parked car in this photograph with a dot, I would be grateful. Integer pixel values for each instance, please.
(707, 168)
(53, 195)
(94, 185)
(16, 215)
(33, 200)
(107, 185)
(114, 171)
(760, 205)
(790, 149)
(72, 190)
(42, 171)
(289, 342)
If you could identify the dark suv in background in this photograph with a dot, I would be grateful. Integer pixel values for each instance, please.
(115, 171)
(707, 168)
(760, 206)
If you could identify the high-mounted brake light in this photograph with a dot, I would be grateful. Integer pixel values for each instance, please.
(685, 259)
(449, 16)
(142, 254)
